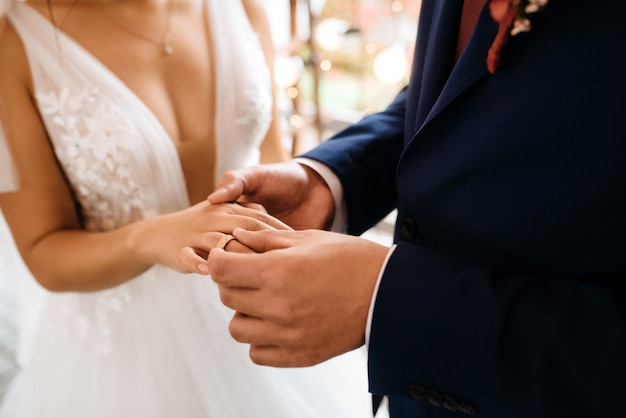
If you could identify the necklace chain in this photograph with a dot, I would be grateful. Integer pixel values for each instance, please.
(163, 43)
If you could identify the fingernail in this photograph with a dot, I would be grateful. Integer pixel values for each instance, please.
(216, 194)
(203, 269)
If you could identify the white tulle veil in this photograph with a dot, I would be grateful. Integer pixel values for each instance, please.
(8, 177)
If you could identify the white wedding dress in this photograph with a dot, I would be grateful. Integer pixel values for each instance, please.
(157, 346)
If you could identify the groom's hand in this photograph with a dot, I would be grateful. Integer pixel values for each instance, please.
(303, 298)
(289, 191)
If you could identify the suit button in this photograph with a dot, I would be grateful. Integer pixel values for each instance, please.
(450, 403)
(434, 397)
(467, 408)
(417, 392)
(408, 229)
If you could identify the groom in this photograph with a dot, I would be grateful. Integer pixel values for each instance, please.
(504, 293)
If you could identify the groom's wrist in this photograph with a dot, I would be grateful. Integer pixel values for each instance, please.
(340, 221)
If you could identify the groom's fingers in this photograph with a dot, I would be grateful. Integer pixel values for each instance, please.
(279, 356)
(235, 269)
(228, 192)
(230, 188)
(263, 241)
(270, 343)
(250, 302)
(248, 329)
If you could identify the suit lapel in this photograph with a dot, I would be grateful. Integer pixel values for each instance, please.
(470, 67)
(436, 80)
(433, 86)
(437, 54)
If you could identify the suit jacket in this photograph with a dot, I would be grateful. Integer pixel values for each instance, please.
(505, 294)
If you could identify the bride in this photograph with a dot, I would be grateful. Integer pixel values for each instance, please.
(118, 118)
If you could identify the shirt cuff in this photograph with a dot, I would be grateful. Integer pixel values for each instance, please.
(340, 220)
(368, 324)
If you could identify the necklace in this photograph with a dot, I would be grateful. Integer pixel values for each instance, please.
(163, 43)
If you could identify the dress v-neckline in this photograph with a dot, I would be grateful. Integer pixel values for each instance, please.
(109, 77)
(97, 62)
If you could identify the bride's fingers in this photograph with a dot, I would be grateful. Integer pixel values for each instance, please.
(237, 247)
(194, 258)
(255, 206)
(263, 218)
(245, 216)
(192, 261)
(226, 242)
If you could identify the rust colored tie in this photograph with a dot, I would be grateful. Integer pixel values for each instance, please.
(469, 16)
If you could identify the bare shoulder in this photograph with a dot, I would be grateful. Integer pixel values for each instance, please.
(13, 59)
(15, 77)
(8, 38)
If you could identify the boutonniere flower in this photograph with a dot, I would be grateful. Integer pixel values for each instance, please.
(512, 16)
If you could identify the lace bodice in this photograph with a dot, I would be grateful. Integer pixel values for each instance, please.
(95, 149)
(119, 159)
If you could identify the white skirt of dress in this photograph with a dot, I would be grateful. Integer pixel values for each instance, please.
(158, 346)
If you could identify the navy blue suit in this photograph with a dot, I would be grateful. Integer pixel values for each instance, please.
(505, 295)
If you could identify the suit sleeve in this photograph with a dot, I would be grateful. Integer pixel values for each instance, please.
(364, 157)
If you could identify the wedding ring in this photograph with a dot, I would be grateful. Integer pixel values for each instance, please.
(223, 242)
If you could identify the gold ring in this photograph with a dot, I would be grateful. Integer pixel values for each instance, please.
(223, 242)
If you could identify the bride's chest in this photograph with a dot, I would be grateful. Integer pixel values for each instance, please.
(179, 89)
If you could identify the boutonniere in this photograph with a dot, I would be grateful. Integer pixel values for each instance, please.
(512, 16)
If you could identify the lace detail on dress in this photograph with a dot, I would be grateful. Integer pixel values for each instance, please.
(94, 145)
(255, 110)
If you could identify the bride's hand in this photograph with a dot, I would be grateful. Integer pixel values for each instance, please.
(182, 240)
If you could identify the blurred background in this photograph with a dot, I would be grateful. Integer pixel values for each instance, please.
(336, 60)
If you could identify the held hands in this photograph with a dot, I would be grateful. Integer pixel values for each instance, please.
(305, 296)
(289, 191)
(182, 240)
